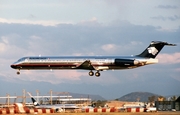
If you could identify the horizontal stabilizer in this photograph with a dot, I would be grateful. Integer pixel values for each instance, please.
(163, 43)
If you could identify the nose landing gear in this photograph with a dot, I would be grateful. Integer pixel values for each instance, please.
(18, 72)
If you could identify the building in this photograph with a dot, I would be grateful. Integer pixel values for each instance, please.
(168, 105)
(177, 104)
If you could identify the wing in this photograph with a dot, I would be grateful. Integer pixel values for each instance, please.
(86, 65)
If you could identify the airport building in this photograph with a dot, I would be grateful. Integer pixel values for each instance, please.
(79, 101)
(168, 105)
(9, 101)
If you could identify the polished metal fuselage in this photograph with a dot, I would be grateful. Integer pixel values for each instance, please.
(73, 62)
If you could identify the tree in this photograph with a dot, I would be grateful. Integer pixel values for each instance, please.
(152, 98)
(99, 103)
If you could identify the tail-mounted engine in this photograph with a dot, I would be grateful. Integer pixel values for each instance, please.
(126, 62)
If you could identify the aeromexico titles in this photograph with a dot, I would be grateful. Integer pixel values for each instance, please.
(92, 63)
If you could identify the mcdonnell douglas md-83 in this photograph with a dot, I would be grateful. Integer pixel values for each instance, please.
(96, 63)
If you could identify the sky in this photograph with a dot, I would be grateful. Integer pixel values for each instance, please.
(89, 28)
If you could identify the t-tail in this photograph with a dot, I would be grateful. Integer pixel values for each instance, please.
(33, 100)
(153, 49)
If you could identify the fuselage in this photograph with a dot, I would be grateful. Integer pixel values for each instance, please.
(58, 106)
(74, 62)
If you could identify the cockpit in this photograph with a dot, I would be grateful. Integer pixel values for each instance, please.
(20, 61)
(23, 59)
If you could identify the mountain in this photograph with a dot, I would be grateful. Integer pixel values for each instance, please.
(135, 96)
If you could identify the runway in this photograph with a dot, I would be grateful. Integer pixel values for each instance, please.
(118, 113)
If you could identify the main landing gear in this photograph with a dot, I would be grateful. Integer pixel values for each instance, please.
(97, 74)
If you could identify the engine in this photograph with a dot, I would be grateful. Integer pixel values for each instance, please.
(126, 62)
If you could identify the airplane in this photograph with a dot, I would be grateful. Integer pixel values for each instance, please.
(97, 63)
(57, 107)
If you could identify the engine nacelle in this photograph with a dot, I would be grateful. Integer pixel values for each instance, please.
(126, 62)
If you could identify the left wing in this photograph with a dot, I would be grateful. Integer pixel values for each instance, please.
(86, 65)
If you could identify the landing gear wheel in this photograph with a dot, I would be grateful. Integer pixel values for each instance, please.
(91, 73)
(18, 72)
(97, 74)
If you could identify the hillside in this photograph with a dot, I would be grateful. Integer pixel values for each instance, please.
(134, 96)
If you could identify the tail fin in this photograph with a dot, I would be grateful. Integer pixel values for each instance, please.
(154, 48)
(33, 100)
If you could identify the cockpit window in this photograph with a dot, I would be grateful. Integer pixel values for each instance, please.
(31, 58)
(22, 59)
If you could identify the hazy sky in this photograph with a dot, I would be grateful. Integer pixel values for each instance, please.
(89, 27)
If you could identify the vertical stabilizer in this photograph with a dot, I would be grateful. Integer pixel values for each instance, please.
(153, 49)
(33, 100)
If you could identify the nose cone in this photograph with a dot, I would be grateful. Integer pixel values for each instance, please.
(13, 66)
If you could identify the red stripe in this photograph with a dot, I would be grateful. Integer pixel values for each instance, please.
(103, 109)
(128, 109)
(87, 110)
(43, 110)
(7, 111)
(137, 109)
(35, 110)
(95, 110)
(112, 110)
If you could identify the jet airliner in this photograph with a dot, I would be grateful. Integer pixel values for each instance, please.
(92, 63)
(57, 107)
